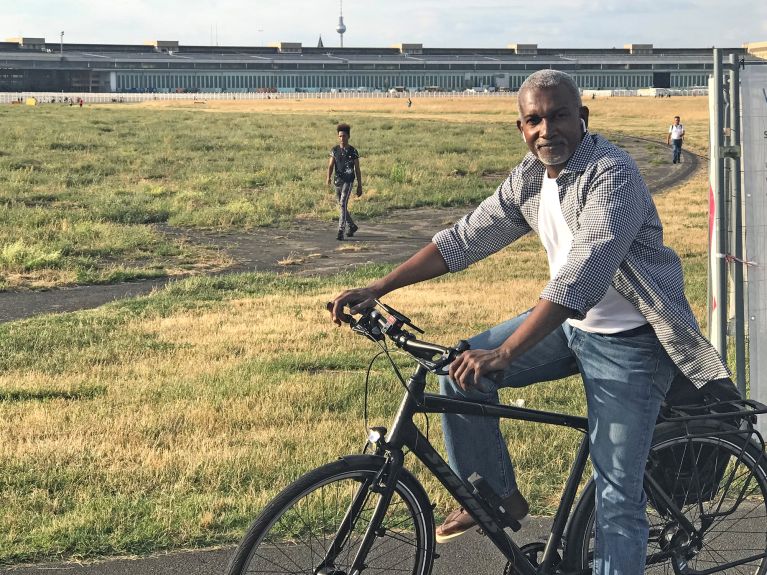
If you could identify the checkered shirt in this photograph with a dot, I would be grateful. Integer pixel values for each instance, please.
(617, 239)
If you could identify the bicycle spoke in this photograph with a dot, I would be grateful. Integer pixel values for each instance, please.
(316, 530)
(718, 487)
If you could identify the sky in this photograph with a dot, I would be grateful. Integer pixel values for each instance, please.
(381, 23)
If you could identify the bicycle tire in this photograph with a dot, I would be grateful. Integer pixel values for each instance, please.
(293, 532)
(738, 533)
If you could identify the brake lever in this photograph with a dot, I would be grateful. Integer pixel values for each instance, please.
(459, 348)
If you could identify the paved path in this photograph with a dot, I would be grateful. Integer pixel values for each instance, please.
(470, 554)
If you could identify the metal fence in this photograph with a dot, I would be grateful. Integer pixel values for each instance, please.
(132, 97)
(128, 97)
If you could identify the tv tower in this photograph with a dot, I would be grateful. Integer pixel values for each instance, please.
(341, 28)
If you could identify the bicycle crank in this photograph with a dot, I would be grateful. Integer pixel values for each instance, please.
(681, 547)
(533, 552)
(330, 571)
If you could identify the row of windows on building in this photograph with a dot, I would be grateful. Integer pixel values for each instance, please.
(251, 82)
(300, 81)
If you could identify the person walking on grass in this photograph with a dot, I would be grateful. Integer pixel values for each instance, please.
(613, 311)
(675, 138)
(345, 161)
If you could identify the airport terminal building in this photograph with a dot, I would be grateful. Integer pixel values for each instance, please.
(34, 65)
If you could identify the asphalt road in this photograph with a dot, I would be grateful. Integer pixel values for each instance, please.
(470, 554)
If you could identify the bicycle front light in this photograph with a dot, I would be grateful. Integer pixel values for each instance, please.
(376, 434)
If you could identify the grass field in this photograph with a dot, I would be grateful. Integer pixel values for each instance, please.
(80, 200)
(82, 189)
(167, 421)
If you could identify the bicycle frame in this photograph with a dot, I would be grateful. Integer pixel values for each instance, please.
(405, 434)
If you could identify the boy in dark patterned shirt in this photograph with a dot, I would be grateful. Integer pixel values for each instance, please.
(344, 159)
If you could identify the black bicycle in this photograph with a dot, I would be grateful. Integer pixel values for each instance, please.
(705, 480)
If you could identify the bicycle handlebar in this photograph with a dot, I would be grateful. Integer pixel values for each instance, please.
(377, 326)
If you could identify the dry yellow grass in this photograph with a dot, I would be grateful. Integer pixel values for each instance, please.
(443, 108)
(638, 116)
(290, 260)
(355, 247)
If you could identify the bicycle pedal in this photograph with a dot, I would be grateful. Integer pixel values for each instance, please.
(484, 492)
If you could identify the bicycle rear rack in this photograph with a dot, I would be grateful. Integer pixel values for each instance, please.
(746, 409)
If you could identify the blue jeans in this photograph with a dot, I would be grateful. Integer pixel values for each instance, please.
(677, 150)
(625, 378)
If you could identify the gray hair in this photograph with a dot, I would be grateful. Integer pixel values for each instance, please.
(543, 79)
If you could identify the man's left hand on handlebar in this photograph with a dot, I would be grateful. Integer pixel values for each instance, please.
(472, 365)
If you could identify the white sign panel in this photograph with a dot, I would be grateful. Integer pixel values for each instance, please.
(754, 166)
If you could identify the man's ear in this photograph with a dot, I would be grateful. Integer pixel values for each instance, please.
(584, 114)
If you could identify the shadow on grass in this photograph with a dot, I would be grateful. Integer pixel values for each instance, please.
(47, 394)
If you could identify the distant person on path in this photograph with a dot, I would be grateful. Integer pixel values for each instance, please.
(675, 139)
(613, 310)
(345, 161)
(409, 102)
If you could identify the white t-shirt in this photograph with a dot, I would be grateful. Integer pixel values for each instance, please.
(676, 131)
(613, 313)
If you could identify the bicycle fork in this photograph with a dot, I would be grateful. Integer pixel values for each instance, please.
(383, 483)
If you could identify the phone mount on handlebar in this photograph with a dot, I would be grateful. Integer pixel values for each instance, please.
(398, 319)
(379, 325)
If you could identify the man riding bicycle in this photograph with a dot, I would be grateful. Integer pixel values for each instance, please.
(614, 311)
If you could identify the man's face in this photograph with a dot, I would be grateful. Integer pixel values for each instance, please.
(676, 120)
(550, 121)
(343, 138)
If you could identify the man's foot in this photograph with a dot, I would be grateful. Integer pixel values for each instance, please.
(459, 521)
(352, 230)
(340, 236)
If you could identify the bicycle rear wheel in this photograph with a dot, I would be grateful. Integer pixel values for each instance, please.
(719, 482)
(317, 524)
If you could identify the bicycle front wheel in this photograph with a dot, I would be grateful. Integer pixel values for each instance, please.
(317, 524)
(719, 483)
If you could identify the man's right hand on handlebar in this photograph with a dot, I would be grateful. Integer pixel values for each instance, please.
(427, 263)
(358, 299)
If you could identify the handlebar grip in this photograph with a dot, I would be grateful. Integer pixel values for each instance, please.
(344, 317)
(462, 346)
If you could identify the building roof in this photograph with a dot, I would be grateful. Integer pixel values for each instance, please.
(160, 55)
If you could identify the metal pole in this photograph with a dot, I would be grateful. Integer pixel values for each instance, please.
(735, 186)
(726, 193)
(721, 217)
(61, 44)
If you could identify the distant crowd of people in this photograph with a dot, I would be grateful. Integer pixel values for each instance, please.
(71, 101)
